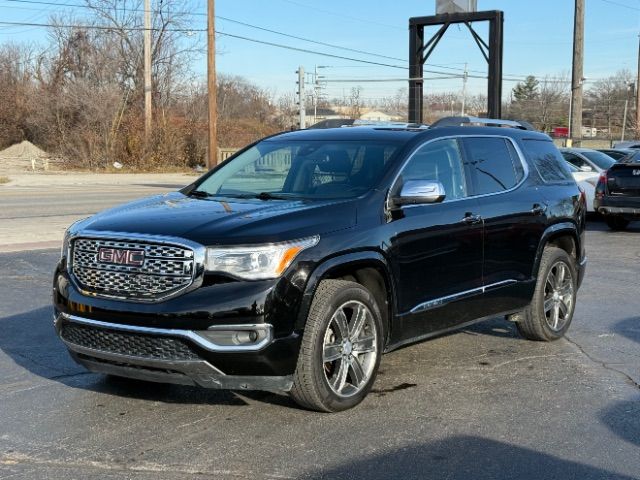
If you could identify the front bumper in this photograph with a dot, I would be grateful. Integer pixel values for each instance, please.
(272, 304)
(158, 355)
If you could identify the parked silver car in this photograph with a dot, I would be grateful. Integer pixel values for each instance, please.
(587, 160)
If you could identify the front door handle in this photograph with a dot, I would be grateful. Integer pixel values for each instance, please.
(471, 219)
(538, 209)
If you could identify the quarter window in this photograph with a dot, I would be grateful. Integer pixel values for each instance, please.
(492, 165)
(546, 157)
(439, 161)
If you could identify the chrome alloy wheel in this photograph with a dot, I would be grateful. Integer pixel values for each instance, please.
(558, 296)
(350, 348)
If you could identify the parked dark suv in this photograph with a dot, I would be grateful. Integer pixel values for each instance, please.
(297, 263)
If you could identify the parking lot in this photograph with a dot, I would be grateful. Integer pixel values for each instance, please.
(480, 403)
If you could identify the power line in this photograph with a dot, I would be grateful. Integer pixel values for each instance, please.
(226, 19)
(276, 32)
(612, 2)
(248, 39)
(102, 27)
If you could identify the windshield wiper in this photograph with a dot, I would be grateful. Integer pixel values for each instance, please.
(200, 194)
(270, 196)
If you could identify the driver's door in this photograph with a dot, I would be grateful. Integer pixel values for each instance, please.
(436, 249)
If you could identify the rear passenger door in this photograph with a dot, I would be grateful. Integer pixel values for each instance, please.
(514, 217)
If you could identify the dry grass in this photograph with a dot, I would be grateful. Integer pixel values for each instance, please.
(4, 180)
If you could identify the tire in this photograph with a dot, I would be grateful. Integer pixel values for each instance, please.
(549, 315)
(616, 223)
(341, 348)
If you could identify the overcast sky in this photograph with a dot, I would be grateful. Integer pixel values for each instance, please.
(538, 39)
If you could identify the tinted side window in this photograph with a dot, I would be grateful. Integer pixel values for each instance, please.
(574, 160)
(438, 161)
(550, 164)
(491, 164)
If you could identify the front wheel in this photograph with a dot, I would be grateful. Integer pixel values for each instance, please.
(341, 348)
(550, 313)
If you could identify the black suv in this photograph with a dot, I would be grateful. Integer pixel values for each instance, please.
(297, 263)
(617, 195)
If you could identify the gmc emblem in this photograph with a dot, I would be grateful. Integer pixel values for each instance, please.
(636, 172)
(121, 256)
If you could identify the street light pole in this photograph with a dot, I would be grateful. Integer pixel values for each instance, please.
(212, 157)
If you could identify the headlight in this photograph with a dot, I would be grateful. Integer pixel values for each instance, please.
(256, 262)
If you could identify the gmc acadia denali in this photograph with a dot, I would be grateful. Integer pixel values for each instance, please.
(295, 265)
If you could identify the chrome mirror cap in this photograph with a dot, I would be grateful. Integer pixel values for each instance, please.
(416, 192)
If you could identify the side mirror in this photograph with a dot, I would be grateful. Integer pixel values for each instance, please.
(417, 192)
(586, 168)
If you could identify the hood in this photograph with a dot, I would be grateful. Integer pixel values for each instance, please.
(229, 221)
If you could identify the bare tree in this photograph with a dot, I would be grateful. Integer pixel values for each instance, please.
(606, 99)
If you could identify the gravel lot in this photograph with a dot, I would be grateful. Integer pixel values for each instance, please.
(480, 403)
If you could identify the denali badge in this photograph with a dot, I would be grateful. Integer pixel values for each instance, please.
(121, 257)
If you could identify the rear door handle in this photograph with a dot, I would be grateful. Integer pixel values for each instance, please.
(471, 219)
(538, 209)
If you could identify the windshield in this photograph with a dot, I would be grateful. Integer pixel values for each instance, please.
(600, 159)
(303, 169)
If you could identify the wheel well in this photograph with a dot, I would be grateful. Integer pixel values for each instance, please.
(373, 279)
(566, 242)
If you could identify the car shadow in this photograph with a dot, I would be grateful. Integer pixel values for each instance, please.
(628, 328)
(495, 327)
(463, 458)
(597, 224)
(623, 419)
(29, 339)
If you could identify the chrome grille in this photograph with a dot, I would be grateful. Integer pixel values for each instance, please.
(166, 269)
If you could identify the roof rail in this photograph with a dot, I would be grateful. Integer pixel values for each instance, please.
(487, 122)
(387, 124)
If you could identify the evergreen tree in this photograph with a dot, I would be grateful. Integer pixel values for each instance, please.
(527, 90)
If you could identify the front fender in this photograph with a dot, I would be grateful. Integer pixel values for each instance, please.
(361, 259)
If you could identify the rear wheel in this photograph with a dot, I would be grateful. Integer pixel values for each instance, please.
(341, 348)
(550, 313)
(616, 223)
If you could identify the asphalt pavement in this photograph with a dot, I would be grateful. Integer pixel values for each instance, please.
(480, 403)
(35, 211)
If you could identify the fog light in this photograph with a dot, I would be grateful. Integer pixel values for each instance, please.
(229, 338)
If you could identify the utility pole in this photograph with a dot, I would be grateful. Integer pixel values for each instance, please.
(212, 87)
(575, 122)
(624, 118)
(638, 95)
(315, 95)
(464, 89)
(301, 97)
(626, 109)
(147, 69)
